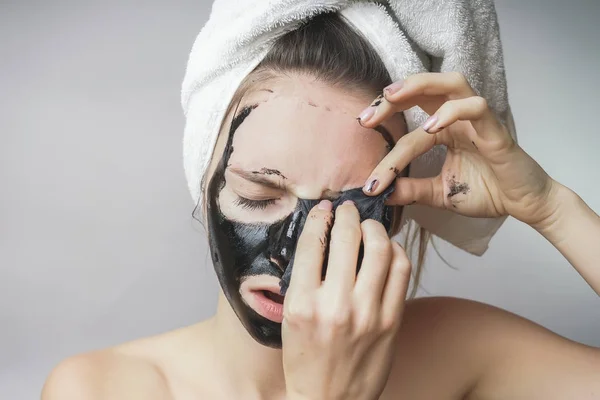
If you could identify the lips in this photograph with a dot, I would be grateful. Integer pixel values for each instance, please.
(276, 297)
(263, 295)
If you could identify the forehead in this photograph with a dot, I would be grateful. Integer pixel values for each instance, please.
(308, 131)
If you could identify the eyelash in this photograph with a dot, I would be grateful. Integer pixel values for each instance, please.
(254, 204)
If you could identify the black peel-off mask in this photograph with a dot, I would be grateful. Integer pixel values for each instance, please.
(241, 249)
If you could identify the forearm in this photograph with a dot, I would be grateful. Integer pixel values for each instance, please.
(574, 229)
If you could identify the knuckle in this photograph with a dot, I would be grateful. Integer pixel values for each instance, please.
(401, 262)
(449, 107)
(299, 312)
(403, 267)
(340, 320)
(410, 80)
(389, 325)
(480, 102)
(458, 78)
(366, 323)
(335, 320)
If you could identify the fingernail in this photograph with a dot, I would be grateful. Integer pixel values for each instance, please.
(366, 115)
(429, 123)
(371, 186)
(325, 205)
(348, 202)
(394, 87)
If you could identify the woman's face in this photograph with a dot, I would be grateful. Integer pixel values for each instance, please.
(291, 142)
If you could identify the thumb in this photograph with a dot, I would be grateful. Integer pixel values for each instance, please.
(426, 191)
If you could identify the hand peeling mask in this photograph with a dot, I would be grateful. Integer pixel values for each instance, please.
(253, 255)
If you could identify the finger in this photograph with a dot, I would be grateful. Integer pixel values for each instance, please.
(344, 245)
(427, 90)
(453, 84)
(407, 148)
(379, 110)
(375, 263)
(394, 292)
(310, 250)
(426, 191)
(474, 109)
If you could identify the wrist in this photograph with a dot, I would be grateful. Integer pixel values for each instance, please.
(560, 202)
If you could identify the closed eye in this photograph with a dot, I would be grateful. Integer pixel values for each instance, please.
(254, 204)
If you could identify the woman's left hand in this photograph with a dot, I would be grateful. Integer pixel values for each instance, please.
(485, 174)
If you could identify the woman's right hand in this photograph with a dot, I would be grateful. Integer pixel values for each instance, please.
(338, 334)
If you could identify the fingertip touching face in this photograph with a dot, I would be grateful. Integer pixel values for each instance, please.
(292, 141)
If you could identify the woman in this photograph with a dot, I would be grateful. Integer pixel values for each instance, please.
(290, 141)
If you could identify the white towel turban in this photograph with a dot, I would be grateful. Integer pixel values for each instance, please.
(410, 36)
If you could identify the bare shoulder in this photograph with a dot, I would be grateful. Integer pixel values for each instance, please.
(105, 374)
(132, 370)
(161, 367)
(471, 350)
(435, 344)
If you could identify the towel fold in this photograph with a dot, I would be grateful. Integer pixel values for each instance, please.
(410, 36)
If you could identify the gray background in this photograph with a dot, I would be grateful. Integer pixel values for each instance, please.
(97, 243)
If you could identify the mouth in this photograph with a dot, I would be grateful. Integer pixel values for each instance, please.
(277, 298)
(262, 294)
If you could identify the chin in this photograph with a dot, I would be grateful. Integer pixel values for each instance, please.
(263, 330)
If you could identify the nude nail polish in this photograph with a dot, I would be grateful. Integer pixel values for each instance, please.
(371, 186)
(366, 115)
(429, 123)
(394, 87)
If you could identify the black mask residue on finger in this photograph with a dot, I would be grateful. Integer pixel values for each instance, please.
(240, 249)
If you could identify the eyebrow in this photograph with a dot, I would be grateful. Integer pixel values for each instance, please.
(258, 177)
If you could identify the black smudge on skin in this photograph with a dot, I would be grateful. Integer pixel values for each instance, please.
(457, 187)
(387, 136)
(377, 101)
(240, 250)
(269, 171)
(477, 148)
(396, 171)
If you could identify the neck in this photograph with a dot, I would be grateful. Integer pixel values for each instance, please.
(249, 366)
